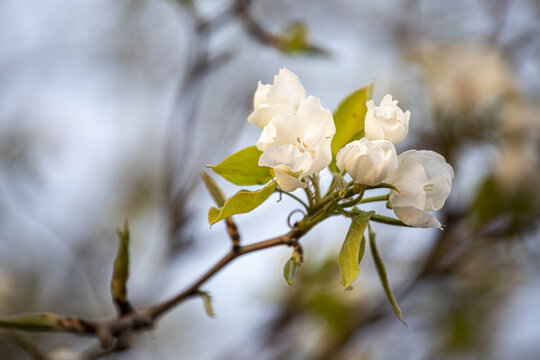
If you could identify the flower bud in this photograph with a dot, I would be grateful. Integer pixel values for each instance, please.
(386, 121)
(368, 162)
(425, 178)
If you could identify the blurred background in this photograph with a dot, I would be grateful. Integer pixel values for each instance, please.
(110, 109)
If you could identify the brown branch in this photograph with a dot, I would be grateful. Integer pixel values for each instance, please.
(114, 333)
(289, 239)
(232, 231)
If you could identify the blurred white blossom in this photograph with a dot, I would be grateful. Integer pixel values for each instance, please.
(386, 121)
(462, 78)
(283, 96)
(63, 353)
(425, 178)
(518, 167)
(368, 162)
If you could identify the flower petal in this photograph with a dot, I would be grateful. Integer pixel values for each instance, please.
(322, 158)
(286, 155)
(289, 129)
(259, 98)
(286, 90)
(416, 217)
(266, 139)
(318, 121)
(288, 182)
(410, 179)
(262, 116)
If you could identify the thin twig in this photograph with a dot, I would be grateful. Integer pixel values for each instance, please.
(375, 198)
(295, 198)
(289, 238)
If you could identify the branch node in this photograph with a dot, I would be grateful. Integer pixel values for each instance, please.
(105, 337)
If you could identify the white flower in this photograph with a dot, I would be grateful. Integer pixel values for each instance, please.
(368, 162)
(284, 95)
(297, 145)
(426, 180)
(386, 121)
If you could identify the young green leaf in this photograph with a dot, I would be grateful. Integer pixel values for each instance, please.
(32, 322)
(121, 272)
(381, 270)
(207, 299)
(289, 270)
(352, 249)
(292, 265)
(213, 188)
(242, 202)
(349, 119)
(242, 168)
(294, 37)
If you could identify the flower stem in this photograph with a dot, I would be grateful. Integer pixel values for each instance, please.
(375, 198)
(386, 186)
(309, 196)
(316, 189)
(295, 198)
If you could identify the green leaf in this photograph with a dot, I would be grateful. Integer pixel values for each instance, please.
(292, 265)
(242, 202)
(330, 307)
(295, 36)
(295, 39)
(289, 270)
(353, 247)
(349, 120)
(121, 272)
(32, 322)
(207, 299)
(381, 270)
(242, 168)
(213, 188)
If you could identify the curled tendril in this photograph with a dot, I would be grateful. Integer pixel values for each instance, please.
(292, 213)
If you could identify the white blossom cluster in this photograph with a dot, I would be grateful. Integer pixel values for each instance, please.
(296, 142)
